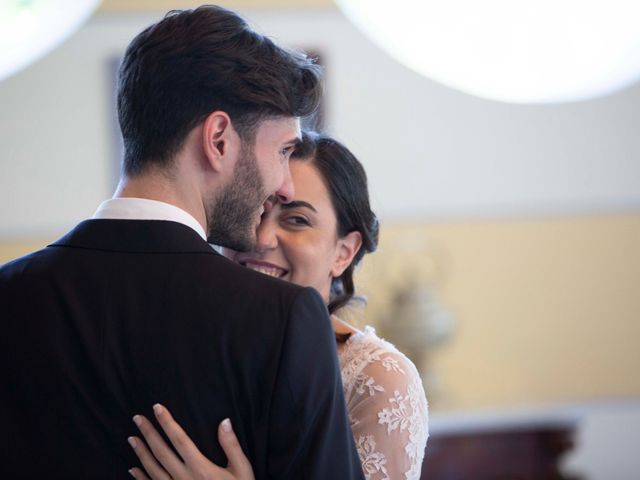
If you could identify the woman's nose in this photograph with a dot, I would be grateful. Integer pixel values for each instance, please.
(267, 238)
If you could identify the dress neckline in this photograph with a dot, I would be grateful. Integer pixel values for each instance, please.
(359, 335)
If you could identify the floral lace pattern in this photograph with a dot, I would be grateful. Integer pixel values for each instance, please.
(397, 415)
(372, 461)
(387, 407)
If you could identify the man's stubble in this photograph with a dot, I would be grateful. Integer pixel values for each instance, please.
(231, 215)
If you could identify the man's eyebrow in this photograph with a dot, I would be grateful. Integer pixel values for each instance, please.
(294, 142)
(297, 204)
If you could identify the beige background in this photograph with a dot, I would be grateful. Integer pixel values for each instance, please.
(547, 310)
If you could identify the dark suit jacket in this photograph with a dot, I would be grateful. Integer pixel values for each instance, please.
(121, 314)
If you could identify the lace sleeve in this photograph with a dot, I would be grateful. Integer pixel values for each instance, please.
(389, 418)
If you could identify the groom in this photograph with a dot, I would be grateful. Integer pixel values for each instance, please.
(133, 307)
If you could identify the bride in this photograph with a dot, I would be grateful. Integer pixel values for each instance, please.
(317, 240)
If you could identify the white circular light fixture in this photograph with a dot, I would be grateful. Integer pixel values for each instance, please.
(31, 28)
(541, 51)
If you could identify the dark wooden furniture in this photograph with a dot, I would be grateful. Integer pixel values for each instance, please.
(517, 450)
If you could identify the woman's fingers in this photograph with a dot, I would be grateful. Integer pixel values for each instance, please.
(180, 440)
(161, 451)
(148, 462)
(138, 474)
(195, 464)
(239, 464)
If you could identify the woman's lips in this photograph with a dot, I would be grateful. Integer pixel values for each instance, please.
(264, 267)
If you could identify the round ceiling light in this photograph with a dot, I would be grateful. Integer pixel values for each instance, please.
(510, 50)
(31, 28)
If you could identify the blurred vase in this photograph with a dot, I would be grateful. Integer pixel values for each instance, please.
(417, 323)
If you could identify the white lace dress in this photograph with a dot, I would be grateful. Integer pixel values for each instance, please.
(387, 407)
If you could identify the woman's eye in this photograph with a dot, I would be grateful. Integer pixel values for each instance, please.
(297, 220)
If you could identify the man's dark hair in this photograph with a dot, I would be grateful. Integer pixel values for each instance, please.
(194, 62)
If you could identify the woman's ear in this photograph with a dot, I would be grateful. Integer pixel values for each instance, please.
(220, 140)
(347, 248)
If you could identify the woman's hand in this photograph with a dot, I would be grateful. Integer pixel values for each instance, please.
(161, 463)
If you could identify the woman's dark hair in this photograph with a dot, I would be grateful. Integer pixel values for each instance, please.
(346, 182)
(194, 62)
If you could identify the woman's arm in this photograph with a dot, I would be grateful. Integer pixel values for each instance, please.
(161, 463)
(388, 411)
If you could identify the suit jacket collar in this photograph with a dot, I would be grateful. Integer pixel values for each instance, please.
(135, 236)
(129, 208)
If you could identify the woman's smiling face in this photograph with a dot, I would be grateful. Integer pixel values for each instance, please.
(298, 242)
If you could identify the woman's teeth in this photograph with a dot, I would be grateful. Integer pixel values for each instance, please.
(271, 271)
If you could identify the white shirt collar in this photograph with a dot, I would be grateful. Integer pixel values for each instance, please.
(145, 209)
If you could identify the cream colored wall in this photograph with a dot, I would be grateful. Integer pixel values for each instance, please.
(546, 310)
(15, 249)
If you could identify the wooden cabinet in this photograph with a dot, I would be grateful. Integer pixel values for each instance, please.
(522, 450)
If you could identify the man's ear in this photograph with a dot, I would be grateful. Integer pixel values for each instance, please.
(220, 141)
(348, 246)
